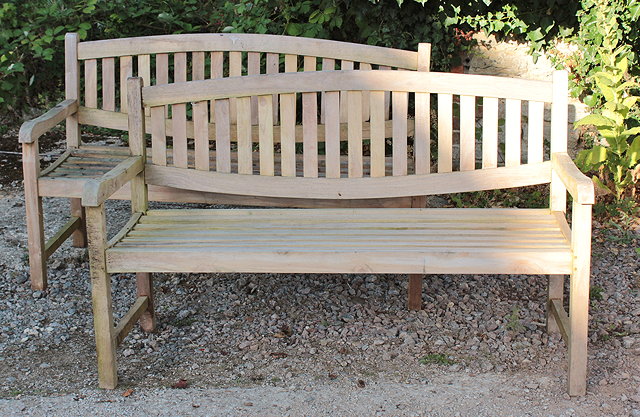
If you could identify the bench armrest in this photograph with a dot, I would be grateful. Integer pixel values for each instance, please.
(97, 191)
(579, 185)
(31, 130)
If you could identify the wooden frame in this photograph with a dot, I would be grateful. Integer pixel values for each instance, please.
(84, 106)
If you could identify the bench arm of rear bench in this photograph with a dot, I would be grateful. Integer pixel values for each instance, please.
(97, 191)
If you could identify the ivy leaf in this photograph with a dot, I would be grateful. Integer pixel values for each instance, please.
(590, 100)
(535, 35)
(600, 186)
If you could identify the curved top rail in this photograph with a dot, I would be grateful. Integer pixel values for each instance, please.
(301, 82)
(245, 42)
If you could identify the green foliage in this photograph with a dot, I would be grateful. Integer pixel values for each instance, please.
(616, 154)
(592, 37)
(436, 358)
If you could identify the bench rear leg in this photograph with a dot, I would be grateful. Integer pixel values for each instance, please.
(414, 299)
(79, 235)
(144, 285)
(556, 292)
(101, 298)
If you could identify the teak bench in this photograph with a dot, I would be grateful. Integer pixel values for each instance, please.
(95, 90)
(348, 241)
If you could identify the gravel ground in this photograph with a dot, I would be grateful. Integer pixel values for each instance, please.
(246, 344)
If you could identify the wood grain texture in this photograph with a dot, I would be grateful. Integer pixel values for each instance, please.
(489, 132)
(109, 84)
(535, 134)
(245, 144)
(126, 71)
(241, 42)
(201, 136)
(422, 137)
(445, 133)
(350, 188)
(354, 140)
(288, 134)
(223, 137)
(265, 125)
(400, 107)
(378, 156)
(91, 83)
(513, 132)
(467, 133)
(72, 86)
(331, 110)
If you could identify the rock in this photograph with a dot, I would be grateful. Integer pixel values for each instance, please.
(305, 291)
(635, 413)
(628, 342)
(37, 294)
(45, 365)
(128, 352)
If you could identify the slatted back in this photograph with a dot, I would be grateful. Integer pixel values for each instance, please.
(102, 67)
(474, 132)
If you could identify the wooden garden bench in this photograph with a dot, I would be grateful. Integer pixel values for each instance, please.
(95, 93)
(359, 240)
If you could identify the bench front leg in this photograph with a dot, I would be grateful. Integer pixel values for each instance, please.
(101, 298)
(579, 298)
(34, 217)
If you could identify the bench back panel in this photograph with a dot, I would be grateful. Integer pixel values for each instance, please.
(103, 66)
(482, 133)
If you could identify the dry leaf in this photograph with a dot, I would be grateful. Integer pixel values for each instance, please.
(278, 355)
(181, 384)
(127, 392)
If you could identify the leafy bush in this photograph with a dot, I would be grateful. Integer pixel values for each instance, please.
(616, 153)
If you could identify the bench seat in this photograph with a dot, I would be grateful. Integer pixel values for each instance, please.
(497, 241)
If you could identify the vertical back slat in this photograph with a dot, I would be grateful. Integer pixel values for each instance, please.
(180, 67)
(290, 63)
(197, 66)
(365, 94)
(288, 135)
(332, 134)
(217, 61)
(265, 134)
(489, 132)
(126, 71)
(245, 144)
(467, 133)
(162, 73)
(273, 67)
(162, 69)
(422, 136)
(377, 126)
(235, 70)
(158, 136)
(144, 68)
(179, 115)
(445, 132)
(387, 95)
(223, 136)
(344, 111)
(91, 83)
(144, 71)
(201, 135)
(399, 120)
(109, 84)
(354, 133)
(535, 132)
(328, 64)
(253, 68)
(310, 126)
(513, 132)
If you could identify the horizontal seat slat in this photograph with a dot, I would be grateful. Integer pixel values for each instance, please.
(495, 240)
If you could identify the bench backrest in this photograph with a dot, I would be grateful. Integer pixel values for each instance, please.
(489, 155)
(96, 71)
